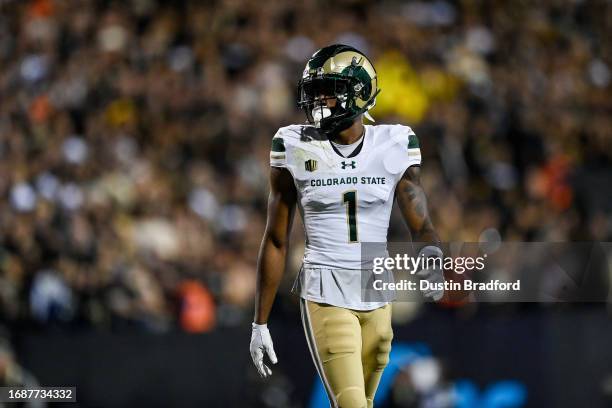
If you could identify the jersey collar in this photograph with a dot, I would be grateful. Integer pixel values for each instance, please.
(357, 149)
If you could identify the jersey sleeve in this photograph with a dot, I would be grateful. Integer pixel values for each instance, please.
(278, 151)
(413, 149)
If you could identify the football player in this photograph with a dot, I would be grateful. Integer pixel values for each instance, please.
(344, 177)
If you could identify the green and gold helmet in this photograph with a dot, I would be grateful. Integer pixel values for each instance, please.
(342, 73)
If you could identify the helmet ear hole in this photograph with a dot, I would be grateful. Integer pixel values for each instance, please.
(359, 90)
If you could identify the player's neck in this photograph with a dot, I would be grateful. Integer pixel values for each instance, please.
(351, 134)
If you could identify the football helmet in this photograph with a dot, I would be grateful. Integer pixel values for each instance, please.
(342, 73)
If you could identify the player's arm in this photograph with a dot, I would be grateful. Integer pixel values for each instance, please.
(412, 203)
(271, 263)
(273, 250)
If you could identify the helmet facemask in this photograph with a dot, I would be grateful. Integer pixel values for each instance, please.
(326, 100)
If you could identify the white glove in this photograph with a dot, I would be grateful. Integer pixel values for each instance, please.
(434, 275)
(262, 342)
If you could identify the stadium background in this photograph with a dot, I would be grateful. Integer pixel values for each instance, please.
(134, 140)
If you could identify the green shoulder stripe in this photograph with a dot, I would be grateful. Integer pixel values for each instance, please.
(278, 144)
(413, 141)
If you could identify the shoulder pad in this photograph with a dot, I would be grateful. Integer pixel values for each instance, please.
(284, 138)
(408, 143)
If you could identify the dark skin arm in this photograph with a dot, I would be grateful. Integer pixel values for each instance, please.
(412, 203)
(273, 250)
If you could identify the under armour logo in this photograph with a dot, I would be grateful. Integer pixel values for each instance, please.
(351, 164)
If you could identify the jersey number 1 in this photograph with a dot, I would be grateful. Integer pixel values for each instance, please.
(349, 198)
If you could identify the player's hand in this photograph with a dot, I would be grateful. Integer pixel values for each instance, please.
(434, 275)
(261, 343)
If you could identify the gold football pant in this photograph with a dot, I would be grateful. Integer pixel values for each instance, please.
(350, 349)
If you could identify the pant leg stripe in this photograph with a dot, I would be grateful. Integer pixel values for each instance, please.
(312, 346)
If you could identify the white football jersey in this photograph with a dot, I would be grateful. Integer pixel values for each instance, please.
(344, 201)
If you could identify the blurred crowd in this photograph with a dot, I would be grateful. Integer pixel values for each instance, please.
(134, 139)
